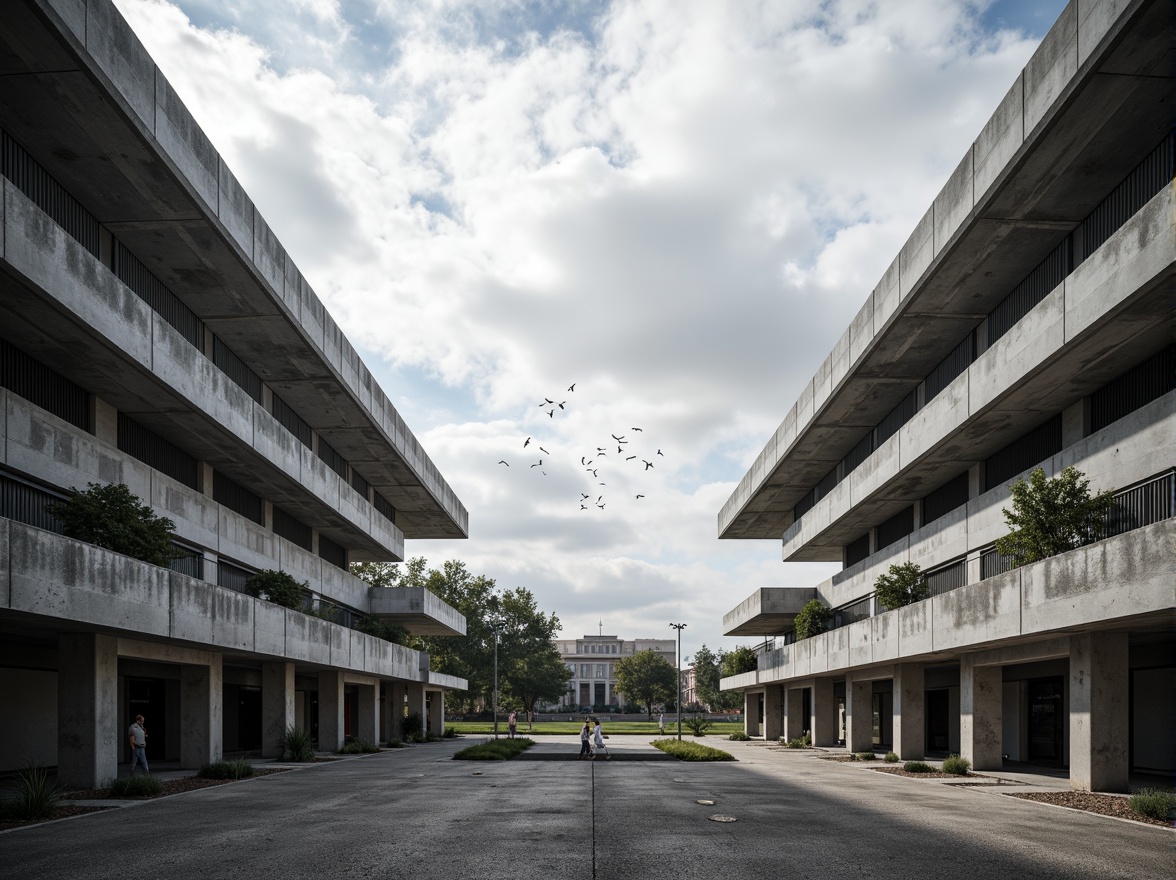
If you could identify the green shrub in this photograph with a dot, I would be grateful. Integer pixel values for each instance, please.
(450, 733)
(495, 749)
(901, 585)
(1154, 803)
(298, 745)
(865, 756)
(226, 770)
(112, 516)
(395, 744)
(688, 751)
(795, 743)
(383, 629)
(358, 747)
(739, 736)
(917, 767)
(957, 765)
(697, 724)
(812, 620)
(412, 727)
(807, 739)
(136, 786)
(36, 796)
(278, 587)
(891, 758)
(1052, 516)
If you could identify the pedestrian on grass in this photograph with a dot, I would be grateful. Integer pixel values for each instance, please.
(138, 738)
(585, 742)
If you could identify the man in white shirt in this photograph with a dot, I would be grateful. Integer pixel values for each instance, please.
(138, 745)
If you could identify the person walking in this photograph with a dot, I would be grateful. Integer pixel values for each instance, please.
(661, 723)
(138, 738)
(512, 723)
(598, 741)
(585, 742)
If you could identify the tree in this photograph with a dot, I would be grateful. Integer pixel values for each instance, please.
(377, 574)
(901, 585)
(278, 587)
(1052, 516)
(742, 659)
(540, 676)
(706, 676)
(812, 620)
(112, 516)
(645, 677)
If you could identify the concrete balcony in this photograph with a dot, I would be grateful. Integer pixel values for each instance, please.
(56, 583)
(417, 610)
(767, 612)
(1128, 579)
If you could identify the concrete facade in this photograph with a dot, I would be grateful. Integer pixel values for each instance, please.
(1025, 324)
(155, 333)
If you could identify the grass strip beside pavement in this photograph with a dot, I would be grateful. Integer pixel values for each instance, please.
(495, 750)
(567, 728)
(691, 751)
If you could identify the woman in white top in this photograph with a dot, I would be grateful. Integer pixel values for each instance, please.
(598, 741)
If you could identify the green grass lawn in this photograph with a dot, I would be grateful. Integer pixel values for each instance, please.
(612, 728)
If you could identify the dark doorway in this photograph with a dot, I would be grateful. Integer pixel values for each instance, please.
(598, 693)
(248, 718)
(807, 710)
(937, 707)
(883, 719)
(148, 697)
(1045, 720)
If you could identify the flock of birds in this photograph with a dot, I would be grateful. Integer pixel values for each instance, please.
(594, 462)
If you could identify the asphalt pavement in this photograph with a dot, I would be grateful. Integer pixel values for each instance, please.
(415, 813)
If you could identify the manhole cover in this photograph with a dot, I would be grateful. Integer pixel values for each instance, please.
(721, 818)
(679, 780)
(706, 803)
(477, 772)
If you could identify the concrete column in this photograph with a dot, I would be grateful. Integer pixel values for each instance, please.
(773, 709)
(330, 710)
(202, 692)
(277, 706)
(87, 710)
(368, 723)
(909, 726)
(751, 713)
(794, 720)
(981, 699)
(416, 700)
(824, 721)
(437, 712)
(859, 715)
(395, 692)
(1098, 712)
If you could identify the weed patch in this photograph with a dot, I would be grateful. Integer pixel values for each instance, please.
(688, 751)
(136, 786)
(226, 770)
(495, 750)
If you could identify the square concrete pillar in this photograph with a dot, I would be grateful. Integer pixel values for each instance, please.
(824, 720)
(394, 696)
(436, 720)
(330, 710)
(368, 722)
(416, 701)
(751, 702)
(981, 704)
(773, 711)
(277, 707)
(908, 696)
(859, 715)
(202, 692)
(795, 722)
(1098, 712)
(88, 731)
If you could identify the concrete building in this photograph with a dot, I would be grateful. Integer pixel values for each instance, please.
(592, 660)
(1027, 322)
(153, 332)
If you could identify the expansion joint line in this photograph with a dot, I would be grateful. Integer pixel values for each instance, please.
(593, 768)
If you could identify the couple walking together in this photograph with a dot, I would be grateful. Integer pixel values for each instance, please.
(592, 741)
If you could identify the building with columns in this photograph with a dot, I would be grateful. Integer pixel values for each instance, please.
(591, 660)
(1027, 323)
(155, 333)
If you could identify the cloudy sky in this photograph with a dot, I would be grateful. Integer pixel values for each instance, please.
(676, 205)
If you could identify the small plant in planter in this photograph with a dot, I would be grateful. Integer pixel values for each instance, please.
(865, 756)
(226, 770)
(1154, 803)
(297, 745)
(901, 585)
(797, 744)
(112, 516)
(739, 736)
(136, 786)
(917, 767)
(412, 727)
(278, 587)
(812, 620)
(697, 724)
(891, 758)
(957, 765)
(36, 796)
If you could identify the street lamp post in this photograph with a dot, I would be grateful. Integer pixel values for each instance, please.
(679, 627)
(495, 626)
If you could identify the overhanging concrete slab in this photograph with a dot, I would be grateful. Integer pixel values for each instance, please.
(417, 610)
(769, 611)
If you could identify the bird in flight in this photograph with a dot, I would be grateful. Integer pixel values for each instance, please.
(662, 454)
(500, 461)
(561, 404)
(635, 429)
(538, 464)
(547, 401)
(551, 414)
(583, 507)
(572, 387)
(583, 496)
(648, 464)
(541, 449)
(618, 439)
(601, 506)
(630, 458)
(640, 497)
(526, 443)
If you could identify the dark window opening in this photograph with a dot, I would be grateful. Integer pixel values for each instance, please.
(384, 508)
(131, 272)
(291, 421)
(154, 451)
(949, 496)
(1135, 388)
(41, 386)
(292, 530)
(237, 498)
(897, 527)
(50, 196)
(858, 550)
(1035, 287)
(25, 502)
(1023, 453)
(332, 552)
(897, 417)
(331, 458)
(236, 369)
(359, 484)
(950, 367)
(232, 577)
(1147, 178)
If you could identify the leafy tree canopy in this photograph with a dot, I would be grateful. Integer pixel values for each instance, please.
(112, 516)
(738, 661)
(646, 677)
(901, 585)
(812, 620)
(278, 587)
(1052, 516)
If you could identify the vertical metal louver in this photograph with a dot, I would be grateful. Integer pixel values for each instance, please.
(896, 418)
(24, 502)
(237, 498)
(1029, 449)
(236, 369)
(157, 452)
(292, 422)
(331, 552)
(131, 272)
(1147, 178)
(1133, 389)
(29, 378)
(293, 530)
(50, 196)
(946, 370)
(384, 507)
(858, 550)
(949, 496)
(231, 577)
(897, 527)
(1035, 287)
(331, 458)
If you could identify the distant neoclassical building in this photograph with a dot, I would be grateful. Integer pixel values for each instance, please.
(1027, 322)
(154, 332)
(592, 659)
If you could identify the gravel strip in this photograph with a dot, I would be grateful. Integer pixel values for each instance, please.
(1103, 804)
(898, 771)
(62, 812)
(170, 786)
